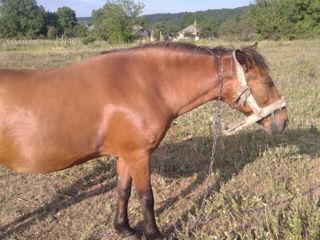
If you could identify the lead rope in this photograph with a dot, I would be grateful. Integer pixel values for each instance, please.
(217, 129)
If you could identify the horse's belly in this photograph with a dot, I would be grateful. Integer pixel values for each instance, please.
(27, 146)
(24, 156)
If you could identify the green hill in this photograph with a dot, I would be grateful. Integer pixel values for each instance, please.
(84, 20)
(221, 15)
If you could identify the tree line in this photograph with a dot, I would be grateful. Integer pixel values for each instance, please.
(263, 19)
(115, 21)
(284, 19)
(24, 19)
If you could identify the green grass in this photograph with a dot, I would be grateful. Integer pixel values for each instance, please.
(252, 171)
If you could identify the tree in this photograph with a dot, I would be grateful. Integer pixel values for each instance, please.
(21, 19)
(275, 19)
(167, 29)
(67, 20)
(236, 30)
(80, 31)
(267, 17)
(189, 19)
(186, 20)
(51, 19)
(305, 15)
(208, 28)
(157, 28)
(171, 30)
(115, 20)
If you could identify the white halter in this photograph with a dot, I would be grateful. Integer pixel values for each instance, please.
(243, 95)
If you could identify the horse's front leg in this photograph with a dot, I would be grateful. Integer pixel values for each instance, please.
(139, 167)
(124, 180)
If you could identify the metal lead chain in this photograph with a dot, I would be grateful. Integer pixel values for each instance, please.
(217, 129)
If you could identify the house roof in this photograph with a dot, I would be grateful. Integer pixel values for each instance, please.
(137, 28)
(91, 28)
(192, 28)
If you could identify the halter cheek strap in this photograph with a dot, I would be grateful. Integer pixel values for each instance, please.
(243, 95)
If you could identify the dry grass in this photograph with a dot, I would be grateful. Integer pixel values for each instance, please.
(252, 169)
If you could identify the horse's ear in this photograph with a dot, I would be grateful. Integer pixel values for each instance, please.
(242, 59)
(254, 46)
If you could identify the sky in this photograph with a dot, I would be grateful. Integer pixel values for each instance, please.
(83, 8)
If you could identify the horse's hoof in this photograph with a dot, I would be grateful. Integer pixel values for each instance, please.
(132, 237)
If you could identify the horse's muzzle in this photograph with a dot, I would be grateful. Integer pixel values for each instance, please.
(276, 127)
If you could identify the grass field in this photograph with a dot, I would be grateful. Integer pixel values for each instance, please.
(263, 187)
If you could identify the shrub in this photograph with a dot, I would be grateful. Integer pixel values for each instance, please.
(52, 32)
(42, 37)
(88, 39)
(80, 31)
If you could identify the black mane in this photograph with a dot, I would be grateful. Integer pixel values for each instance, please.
(190, 47)
(179, 46)
(259, 59)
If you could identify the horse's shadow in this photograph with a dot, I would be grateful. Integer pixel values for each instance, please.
(233, 154)
(75, 192)
(178, 160)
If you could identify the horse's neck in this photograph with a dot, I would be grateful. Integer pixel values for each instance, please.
(195, 82)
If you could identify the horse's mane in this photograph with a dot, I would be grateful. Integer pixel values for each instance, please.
(177, 46)
(258, 58)
(190, 47)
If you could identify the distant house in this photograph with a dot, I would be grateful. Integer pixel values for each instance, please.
(91, 28)
(188, 32)
(144, 33)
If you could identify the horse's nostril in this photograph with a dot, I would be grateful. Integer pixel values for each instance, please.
(286, 123)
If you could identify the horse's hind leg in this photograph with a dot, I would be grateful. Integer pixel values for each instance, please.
(124, 180)
(139, 167)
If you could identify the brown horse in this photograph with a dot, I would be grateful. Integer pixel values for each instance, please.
(121, 103)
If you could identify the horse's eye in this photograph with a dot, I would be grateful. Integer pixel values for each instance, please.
(269, 84)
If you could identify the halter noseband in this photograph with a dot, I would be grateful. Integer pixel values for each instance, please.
(243, 95)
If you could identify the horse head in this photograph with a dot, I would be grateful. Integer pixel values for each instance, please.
(255, 91)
